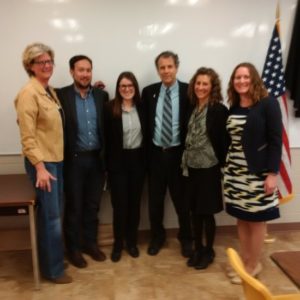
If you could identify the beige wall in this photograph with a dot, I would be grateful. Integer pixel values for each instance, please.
(290, 212)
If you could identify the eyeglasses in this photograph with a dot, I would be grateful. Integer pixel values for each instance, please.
(43, 63)
(125, 86)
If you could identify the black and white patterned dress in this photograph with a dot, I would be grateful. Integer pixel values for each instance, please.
(244, 193)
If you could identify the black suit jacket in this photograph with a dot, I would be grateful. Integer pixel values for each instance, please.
(262, 136)
(66, 96)
(216, 118)
(114, 137)
(150, 96)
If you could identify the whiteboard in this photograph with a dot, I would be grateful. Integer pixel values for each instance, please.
(128, 34)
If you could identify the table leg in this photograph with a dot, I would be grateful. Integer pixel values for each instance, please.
(34, 252)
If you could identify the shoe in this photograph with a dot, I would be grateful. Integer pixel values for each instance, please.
(257, 270)
(64, 279)
(95, 253)
(205, 260)
(76, 259)
(66, 265)
(230, 272)
(116, 255)
(186, 249)
(133, 251)
(154, 247)
(236, 280)
(194, 259)
(269, 239)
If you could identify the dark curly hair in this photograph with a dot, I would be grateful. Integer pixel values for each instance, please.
(215, 94)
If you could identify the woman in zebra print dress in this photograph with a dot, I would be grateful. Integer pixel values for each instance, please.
(250, 181)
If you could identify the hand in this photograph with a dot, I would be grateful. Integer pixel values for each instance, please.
(99, 84)
(43, 177)
(270, 184)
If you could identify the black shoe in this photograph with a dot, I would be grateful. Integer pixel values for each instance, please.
(76, 259)
(194, 259)
(64, 279)
(154, 247)
(116, 255)
(133, 251)
(94, 252)
(206, 259)
(66, 265)
(186, 249)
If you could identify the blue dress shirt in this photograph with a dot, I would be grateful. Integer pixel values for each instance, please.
(174, 93)
(88, 137)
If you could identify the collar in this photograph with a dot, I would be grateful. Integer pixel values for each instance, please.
(89, 91)
(172, 88)
(38, 86)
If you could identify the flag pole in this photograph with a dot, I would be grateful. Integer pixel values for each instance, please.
(290, 196)
(268, 237)
(277, 20)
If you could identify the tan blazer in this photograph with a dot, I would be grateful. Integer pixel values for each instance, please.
(40, 123)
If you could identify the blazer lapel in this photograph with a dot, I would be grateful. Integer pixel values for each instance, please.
(72, 107)
(153, 104)
(99, 111)
(182, 104)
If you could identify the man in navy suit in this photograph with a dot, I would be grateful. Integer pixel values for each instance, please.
(165, 157)
(83, 165)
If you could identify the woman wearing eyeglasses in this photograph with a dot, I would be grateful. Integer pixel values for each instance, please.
(41, 128)
(125, 135)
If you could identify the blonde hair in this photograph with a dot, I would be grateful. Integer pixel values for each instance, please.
(31, 52)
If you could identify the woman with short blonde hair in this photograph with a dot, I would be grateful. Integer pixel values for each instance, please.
(41, 128)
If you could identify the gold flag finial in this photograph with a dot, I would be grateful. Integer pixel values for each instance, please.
(277, 21)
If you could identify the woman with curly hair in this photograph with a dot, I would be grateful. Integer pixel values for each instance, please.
(203, 157)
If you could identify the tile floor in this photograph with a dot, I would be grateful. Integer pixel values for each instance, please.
(162, 277)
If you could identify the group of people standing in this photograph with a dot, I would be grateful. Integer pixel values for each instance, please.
(180, 135)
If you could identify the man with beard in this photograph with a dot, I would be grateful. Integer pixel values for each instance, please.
(84, 161)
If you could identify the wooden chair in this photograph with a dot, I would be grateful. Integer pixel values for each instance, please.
(253, 288)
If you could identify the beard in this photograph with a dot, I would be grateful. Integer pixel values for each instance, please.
(81, 85)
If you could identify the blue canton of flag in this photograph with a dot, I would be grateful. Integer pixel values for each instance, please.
(273, 74)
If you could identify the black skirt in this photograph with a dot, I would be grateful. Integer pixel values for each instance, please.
(203, 190)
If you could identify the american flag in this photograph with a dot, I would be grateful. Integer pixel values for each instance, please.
(273, 77)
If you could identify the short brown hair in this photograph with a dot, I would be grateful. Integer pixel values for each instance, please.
(166, 54)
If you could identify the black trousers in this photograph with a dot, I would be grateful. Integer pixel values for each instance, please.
(165, 172)
(126, 186)
(84, 180)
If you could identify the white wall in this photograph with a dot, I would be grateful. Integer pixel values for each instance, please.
(128, 34)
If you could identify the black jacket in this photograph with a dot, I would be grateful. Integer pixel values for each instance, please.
(114, 137)
(150, 96)
(216, 118)
(66, 96)
(262, 136)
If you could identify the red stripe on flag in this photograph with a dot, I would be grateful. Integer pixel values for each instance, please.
(285, 177)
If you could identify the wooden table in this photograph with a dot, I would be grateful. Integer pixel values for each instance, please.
(289, 263)
(17, 198)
